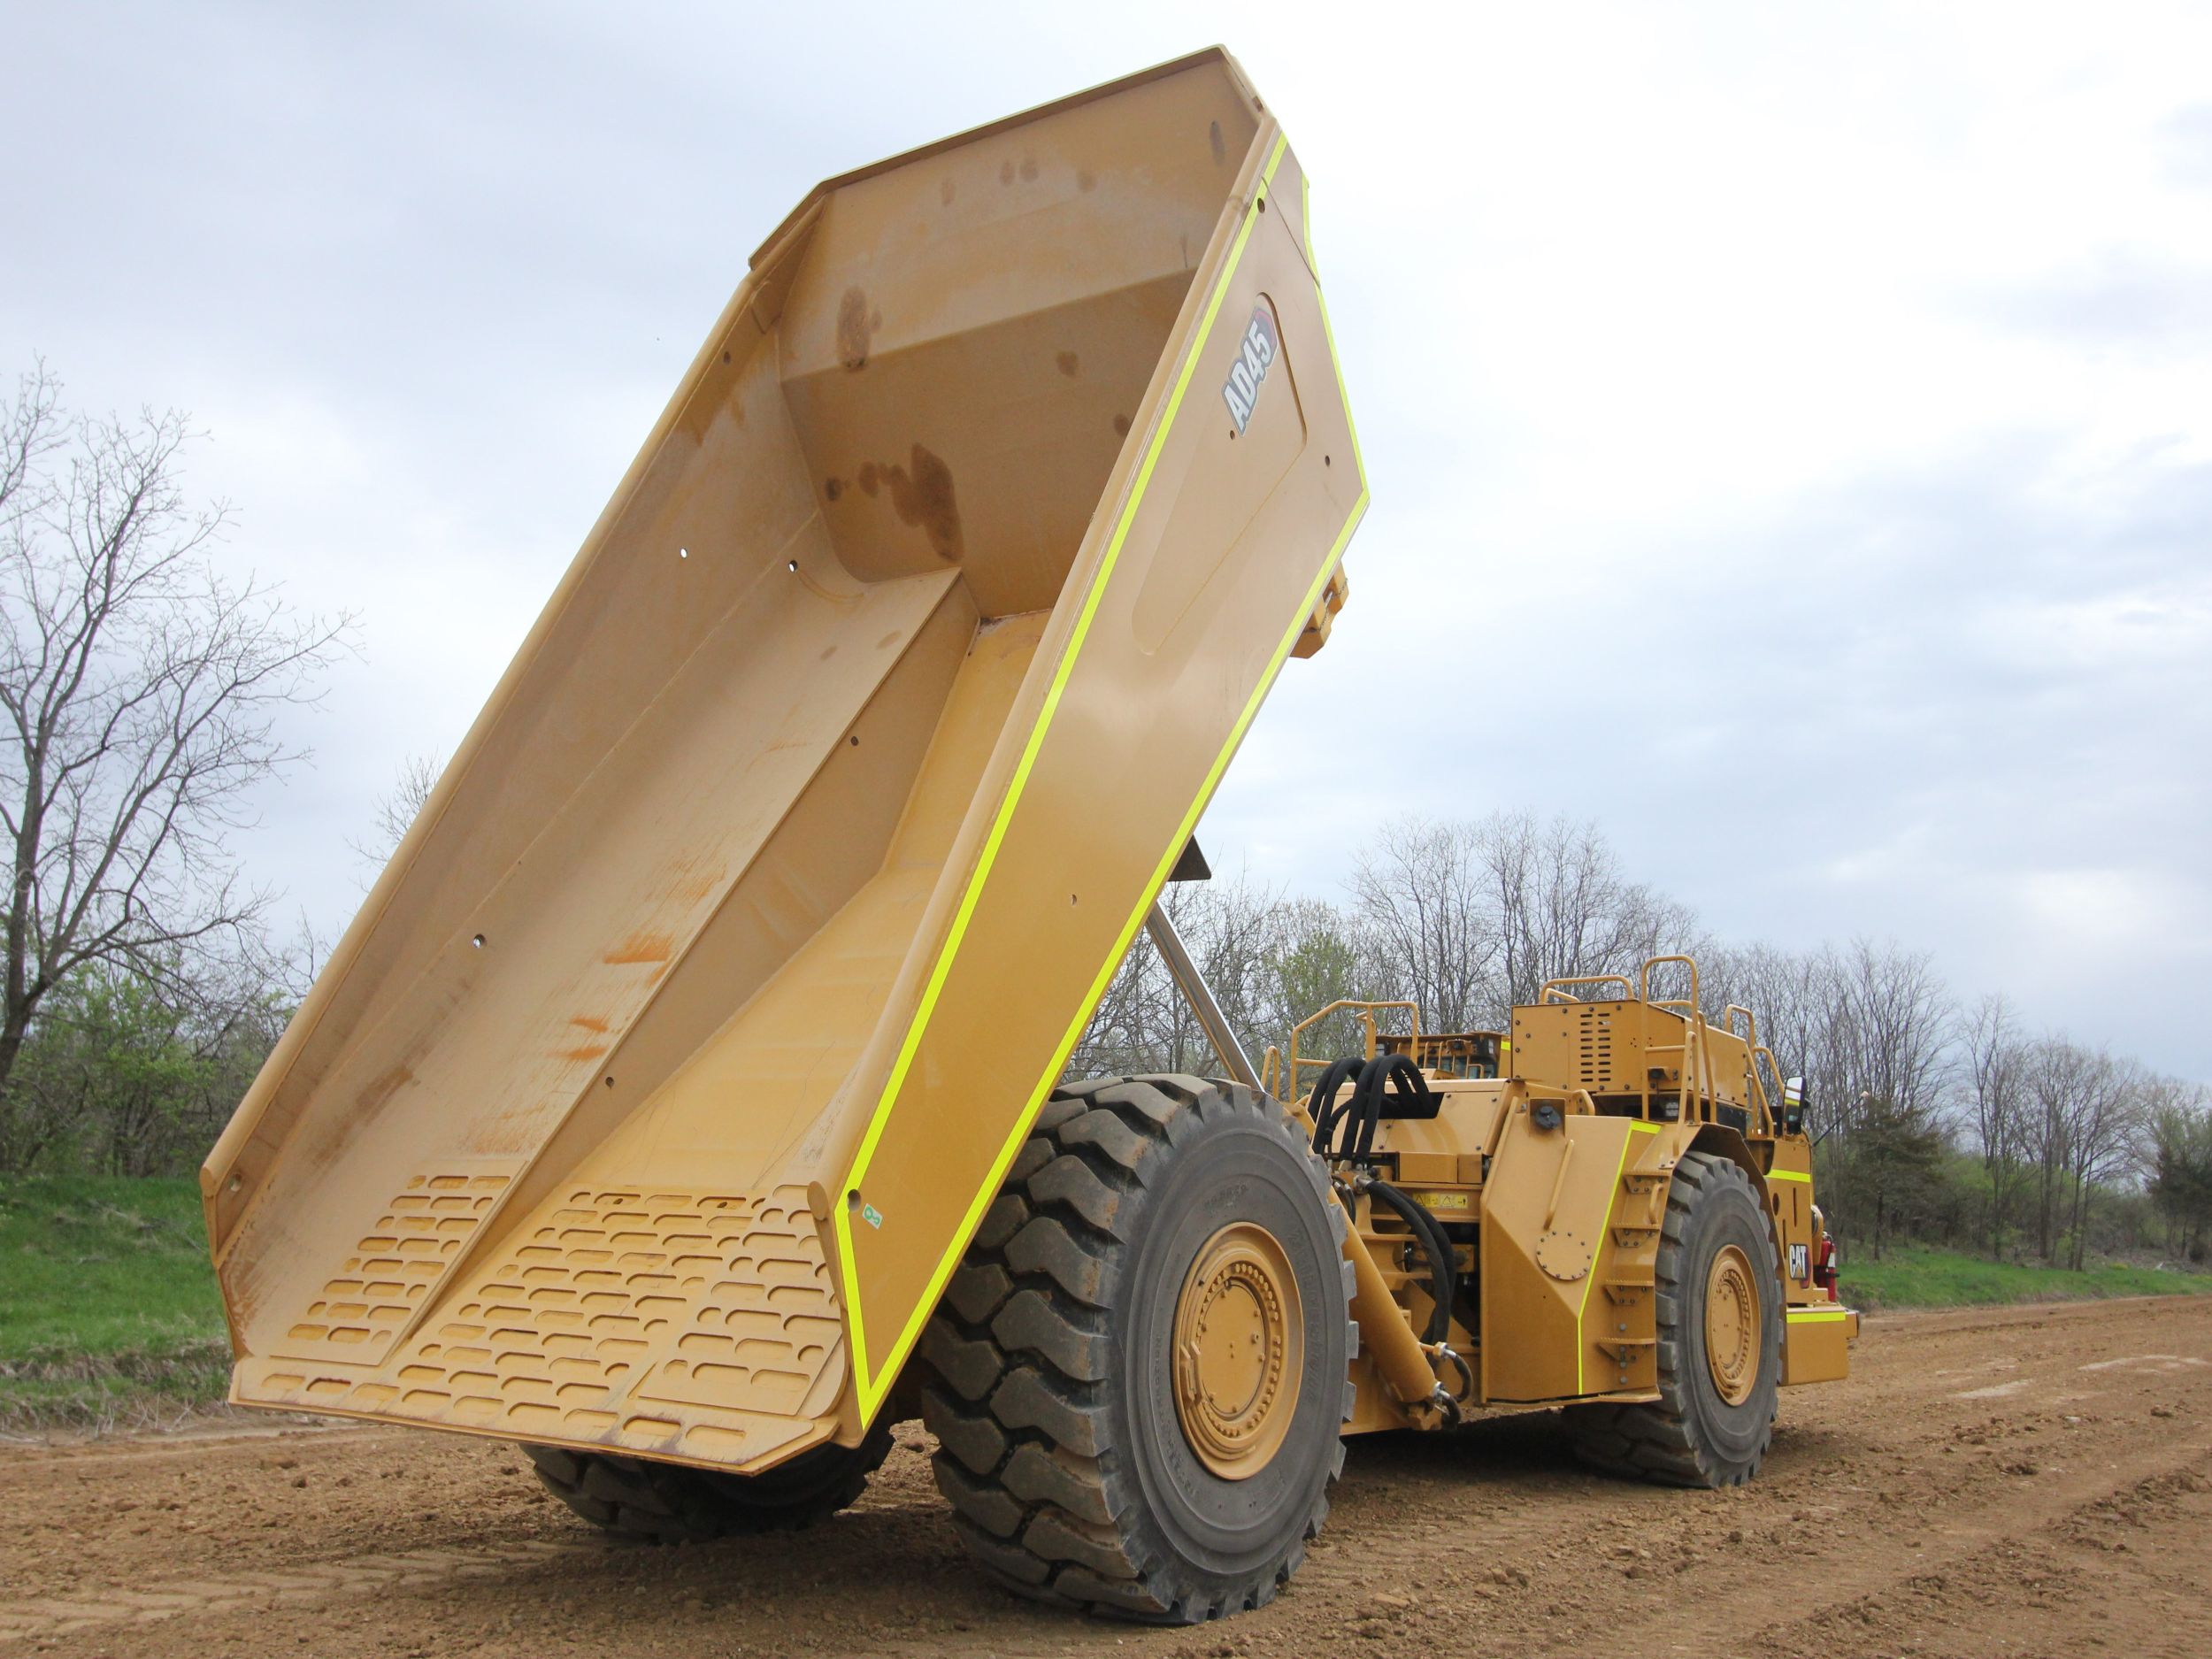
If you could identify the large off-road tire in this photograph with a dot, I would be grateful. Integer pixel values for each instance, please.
(1719, 1307)
(1160, 1271)
(670, 1503)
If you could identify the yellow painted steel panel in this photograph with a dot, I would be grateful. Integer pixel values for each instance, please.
(657, 1085)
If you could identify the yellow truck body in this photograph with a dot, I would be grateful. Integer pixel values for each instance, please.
(656, 1090)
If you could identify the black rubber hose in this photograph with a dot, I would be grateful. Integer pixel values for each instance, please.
(1436, 1245)
(1324, 1108)
(1359, 1115)
(1359, 1132)
(1361, 1112)
(1401, 1076)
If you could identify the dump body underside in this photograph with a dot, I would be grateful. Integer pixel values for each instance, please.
(664, 1075)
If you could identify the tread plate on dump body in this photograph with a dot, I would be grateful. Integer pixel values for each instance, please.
(694, 1325)
(403, 1256)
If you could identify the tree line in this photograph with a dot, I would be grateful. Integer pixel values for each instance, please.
(143, 697)
(1937, 1118)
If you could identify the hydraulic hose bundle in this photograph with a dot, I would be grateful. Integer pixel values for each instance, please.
(1388, 1086)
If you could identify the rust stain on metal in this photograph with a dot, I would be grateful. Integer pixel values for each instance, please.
(922, 495)
(1070, 364)
(589, 1022)
(855, 327)
(642, 947)
(694, 885)
(386, 1085)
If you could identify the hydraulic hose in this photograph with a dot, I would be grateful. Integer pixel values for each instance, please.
(1361, 1112)
(1398, 1073)
(1345, 1130)
(1323, 1107)
(1435, 1245)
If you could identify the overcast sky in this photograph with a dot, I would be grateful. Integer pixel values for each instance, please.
(1824, 393)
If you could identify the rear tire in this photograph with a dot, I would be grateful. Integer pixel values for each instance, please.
(672, 1503)
(1067, 1391)
(1716, 1249)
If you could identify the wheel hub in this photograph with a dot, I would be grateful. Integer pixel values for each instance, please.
(1239, 1346)
(1732, 1325)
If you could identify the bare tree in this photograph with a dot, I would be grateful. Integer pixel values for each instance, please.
(2105, 1116)
(140, 691)
(1419, 888)
(1143, 1022)
(2084, 1127)
(1319, 955)
(1788, 992)
(397, 810)
(1563, 909)
(1996, 1063)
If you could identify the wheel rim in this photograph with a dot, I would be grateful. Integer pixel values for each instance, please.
(1239, 1346)
(1731, 1325)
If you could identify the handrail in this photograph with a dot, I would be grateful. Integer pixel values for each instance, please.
(1367, 1012)
(1781, 1083)
(1764, 1114)
(1643, 979)
(1550, 986)
(1698, 1080)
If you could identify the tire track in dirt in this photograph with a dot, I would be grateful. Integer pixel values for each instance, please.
(304, 1585)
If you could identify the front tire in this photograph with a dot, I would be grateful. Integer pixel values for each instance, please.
(1717, 1302)
(1139, 1368)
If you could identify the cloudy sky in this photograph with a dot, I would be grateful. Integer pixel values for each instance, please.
(1822, 394)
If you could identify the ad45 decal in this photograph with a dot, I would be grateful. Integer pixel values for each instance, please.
(1241, 390)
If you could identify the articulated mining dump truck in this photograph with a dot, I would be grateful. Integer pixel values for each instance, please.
(686, 1104)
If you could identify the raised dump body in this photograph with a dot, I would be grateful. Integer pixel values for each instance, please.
(665, 1075)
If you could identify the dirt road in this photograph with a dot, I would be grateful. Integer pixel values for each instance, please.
(2027, 1481)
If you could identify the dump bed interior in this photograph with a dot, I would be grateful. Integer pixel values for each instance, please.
(773, 845)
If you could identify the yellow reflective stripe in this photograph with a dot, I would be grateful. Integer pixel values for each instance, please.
(1644, 1128)
(1321, 300)
(1582, 1344)
(870, 1386)
(1820, 1315)
(1789, 1175)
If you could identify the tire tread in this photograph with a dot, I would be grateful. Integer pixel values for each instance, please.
(1034, 1380)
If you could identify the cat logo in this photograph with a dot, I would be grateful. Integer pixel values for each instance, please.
(1800, 1262)
(1241, 390)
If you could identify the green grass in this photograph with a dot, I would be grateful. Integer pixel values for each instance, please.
(1914, 1277)
(108, 1307)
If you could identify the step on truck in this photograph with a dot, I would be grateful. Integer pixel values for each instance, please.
(687, 1103)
